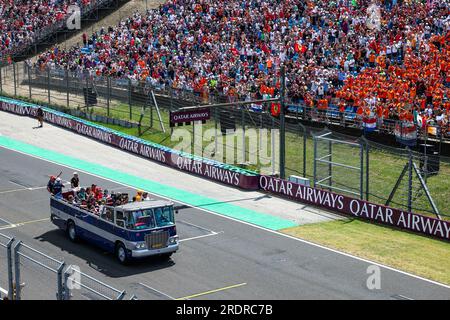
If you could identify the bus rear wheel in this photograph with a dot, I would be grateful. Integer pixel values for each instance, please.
(71, 232)
(121, 253)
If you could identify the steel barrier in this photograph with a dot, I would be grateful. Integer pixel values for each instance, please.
(88, 286)
(6, 266)
(41, 270)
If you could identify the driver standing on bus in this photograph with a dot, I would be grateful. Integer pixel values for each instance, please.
(51, 185)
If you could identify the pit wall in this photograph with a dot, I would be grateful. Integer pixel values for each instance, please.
(237, 177)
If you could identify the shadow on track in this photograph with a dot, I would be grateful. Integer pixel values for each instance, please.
(101, 261)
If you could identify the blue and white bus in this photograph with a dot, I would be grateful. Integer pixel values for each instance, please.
(132, 230)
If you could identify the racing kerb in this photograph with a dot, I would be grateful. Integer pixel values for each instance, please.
(236, 177)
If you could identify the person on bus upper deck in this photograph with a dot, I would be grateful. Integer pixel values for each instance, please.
(75, 181)
(57, 188)
(138, 196)
(81, 195)
(145, 196)
(51, 185)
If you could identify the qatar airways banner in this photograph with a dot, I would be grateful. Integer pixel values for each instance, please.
(189, 116)
(357, 208)
(209, 169)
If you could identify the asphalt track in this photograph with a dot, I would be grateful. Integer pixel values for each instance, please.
(219, 258)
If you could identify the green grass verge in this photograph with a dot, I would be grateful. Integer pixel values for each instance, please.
(416, 254)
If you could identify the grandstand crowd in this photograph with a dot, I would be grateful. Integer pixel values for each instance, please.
(24, 22)
(395, 67)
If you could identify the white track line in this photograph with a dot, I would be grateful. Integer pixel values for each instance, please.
(199, 237)
(196, 226)
(20, 185)
(7, 222)
(249, 224)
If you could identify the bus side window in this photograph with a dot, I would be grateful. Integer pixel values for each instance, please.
(107, 214)
(120, 219)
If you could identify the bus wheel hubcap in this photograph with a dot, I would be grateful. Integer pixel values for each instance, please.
(72, 232)
(121, 254)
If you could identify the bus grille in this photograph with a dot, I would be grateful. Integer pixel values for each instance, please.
(157, 239)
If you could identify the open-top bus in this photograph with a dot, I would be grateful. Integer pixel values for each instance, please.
(131, 230)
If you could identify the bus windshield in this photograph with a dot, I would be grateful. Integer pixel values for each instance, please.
(164, 216)
(141, 219)
(150, 218)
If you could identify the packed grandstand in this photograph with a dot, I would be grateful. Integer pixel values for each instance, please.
(396, 67)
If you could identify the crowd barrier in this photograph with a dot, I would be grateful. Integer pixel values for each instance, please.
(237, 177)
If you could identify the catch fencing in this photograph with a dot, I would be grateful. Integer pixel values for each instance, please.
(30, 274)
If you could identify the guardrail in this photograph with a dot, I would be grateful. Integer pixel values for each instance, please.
(32, 274)
(74, 278)
(40, 260)
(6, 249)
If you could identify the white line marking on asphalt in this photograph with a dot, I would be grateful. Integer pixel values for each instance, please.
(27, 189)
(20, 185)
(203, 236)
(157, 291)
(196, 226)
(6, 221)
(247, 223)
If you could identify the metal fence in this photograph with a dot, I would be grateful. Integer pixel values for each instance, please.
(246, 136)
(37, 275)
(78, 285)
(30, 274)
(6, 266)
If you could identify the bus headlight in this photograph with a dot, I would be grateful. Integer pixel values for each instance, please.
(140, 245)
(173, 240)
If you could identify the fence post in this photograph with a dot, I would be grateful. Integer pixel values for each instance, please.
(361, 175)
(315, 165)
(17, 286)
(10, 269)
(129, 97)
(66, 295)
(304, 150)
(67, 88)
(60, 294)
(367, 169)
(410, 177)
(108, 94)
(14, 77)
(330, 166)
(283, 124)
(29, 81)
(244, 144)
(48, 84)
(171, 98)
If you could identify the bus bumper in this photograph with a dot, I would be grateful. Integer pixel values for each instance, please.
(147, 253)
